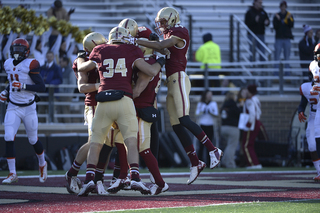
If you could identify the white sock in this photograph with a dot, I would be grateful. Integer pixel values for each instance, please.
(12, 165)
(317, 166)
(42, 162)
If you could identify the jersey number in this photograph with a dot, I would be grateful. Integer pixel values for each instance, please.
(14, 77)
(313, 102)
(119, 68)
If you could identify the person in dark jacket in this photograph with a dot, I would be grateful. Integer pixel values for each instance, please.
(283, 23)
(256, 18)
(229, 130)
(306, 47)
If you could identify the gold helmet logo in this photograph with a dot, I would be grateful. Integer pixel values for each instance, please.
(93, 39)
(130, 25)
(116, 35)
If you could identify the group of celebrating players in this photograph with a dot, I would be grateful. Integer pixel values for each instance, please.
(120, 78)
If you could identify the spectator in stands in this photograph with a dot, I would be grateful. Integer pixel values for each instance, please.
(283, 23)
(209, 53)
(317, 36)
(68, 79)
(254, 130)
(256, 18)
(229, 131)
(57, 10)
(306, 47)
(207, 112)
(51, 74)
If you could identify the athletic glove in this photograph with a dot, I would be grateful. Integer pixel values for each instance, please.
(153, 37)
(18, 85)
(302, 117)
(161, 61)
(4, 96)
(82, 54)
(71, 11)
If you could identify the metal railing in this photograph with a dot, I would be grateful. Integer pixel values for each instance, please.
(270, 81)
(242, 50)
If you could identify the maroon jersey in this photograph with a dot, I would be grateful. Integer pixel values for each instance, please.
(93, 76)
(115, 62)
(148, 95)
(177, 60)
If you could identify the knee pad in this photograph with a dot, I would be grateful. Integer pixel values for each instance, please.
(9, 134)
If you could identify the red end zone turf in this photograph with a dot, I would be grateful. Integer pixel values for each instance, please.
(28, 195)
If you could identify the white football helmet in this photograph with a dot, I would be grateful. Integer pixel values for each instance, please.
(166, 18)
(93, 39)
(147, 52)
(116, 35)
(130, 25)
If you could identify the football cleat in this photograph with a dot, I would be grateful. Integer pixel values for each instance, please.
(101, 188)
(317, 178)
(140, 186)
(155, 189)
(195, 171)
(215, 157)
(113, 180)
(127, 184)
(116, 186)
(86, 189)
(152, 180)
(43, 173)
(10, 179)
(73, 184)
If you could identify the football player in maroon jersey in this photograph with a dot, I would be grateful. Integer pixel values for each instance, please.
(144, 94)
(115, 62)
(175, 44)
(87, 83)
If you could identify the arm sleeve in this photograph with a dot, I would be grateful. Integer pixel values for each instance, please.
(34, 74)
(303, 104)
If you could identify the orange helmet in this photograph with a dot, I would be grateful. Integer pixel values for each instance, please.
(20, 49)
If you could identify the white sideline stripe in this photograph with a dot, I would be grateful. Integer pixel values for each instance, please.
(187, 173)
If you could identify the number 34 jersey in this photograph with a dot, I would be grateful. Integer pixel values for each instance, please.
(20, 73)
(312, 99)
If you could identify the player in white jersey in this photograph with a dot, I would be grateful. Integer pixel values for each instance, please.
(24, 81)
(314, 69)
(313, 99)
